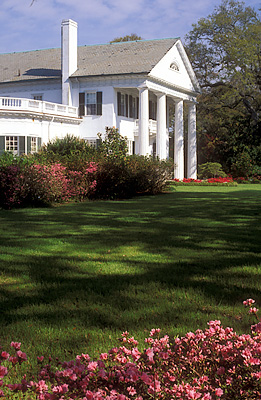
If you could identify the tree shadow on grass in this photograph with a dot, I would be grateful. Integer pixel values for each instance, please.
(182, 243)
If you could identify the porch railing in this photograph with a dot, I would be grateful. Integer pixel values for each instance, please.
(152, 127)
(44, 107)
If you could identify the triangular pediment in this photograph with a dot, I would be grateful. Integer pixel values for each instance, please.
(175, 69)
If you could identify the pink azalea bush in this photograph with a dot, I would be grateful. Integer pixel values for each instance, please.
(216, 363)
(34, 184)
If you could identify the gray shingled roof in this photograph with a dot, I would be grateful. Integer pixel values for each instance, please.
(108, 59)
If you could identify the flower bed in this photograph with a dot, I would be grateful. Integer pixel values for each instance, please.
(228, 181)
(216, 363)
(219, 181)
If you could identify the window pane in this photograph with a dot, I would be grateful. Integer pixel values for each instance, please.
(90, 98)
(91, 109)
(11, 144)
(33, 144)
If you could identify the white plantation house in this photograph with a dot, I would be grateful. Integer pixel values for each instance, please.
(82, 90)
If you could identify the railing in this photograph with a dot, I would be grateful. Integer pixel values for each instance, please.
(152, 127)
(44, 107)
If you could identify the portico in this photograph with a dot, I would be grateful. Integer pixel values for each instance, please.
(162, 132)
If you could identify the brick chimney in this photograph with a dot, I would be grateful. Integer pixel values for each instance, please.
(68, 57)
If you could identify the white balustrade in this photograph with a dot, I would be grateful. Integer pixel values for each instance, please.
(152, 127)
(16, 104)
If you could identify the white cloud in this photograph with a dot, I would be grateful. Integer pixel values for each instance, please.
(25, 27)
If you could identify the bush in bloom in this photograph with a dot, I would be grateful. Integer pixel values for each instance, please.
(38, 184)
(216, 363)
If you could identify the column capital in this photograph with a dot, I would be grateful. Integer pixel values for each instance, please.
(142, 87)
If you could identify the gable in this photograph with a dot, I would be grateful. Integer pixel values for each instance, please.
(175, 69)
(121, 58)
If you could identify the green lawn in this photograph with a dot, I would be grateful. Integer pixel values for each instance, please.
(74, 277)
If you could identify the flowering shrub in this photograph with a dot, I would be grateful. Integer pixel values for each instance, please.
(10, 186)
(44, 184)
(213, 364)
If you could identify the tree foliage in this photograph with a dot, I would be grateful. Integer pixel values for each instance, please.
(224, 49)
(128, 38)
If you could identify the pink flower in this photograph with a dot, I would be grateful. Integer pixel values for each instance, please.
(256, 328)
(248, 302)
(21, 356)
(135, 354)
(5, 355)
(146, 378)
(253, 310)
(150, 354)
(89, 395)
(92, 366)
(16, 345)
(3, 371)
(219, 392)
(221, 371)
(131, 390)
(104, 356)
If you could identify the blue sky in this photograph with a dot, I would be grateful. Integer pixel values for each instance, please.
(37, 26)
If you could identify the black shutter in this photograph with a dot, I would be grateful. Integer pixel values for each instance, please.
(21, 145)
(99, 103)
(119, 103)
(137, 108)
(133, 147)
(131, 107)
(81, 104)
(126, 105)
(2, 144)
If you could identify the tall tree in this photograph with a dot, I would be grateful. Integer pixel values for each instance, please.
(224, 49)
(128, 38)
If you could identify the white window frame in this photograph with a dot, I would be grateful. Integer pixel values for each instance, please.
(33, 144)
(96, 106)
(130, 147)
(8, 139)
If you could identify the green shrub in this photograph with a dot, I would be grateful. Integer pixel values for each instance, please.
(124, 178)
(71, 151)
(211, 170)
(114, 146)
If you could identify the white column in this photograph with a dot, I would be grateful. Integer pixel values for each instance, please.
(192, 143)
(144, 121)
(179, 141)
(161, 148)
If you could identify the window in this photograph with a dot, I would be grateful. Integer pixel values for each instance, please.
(92, 142)
(11, 144)
(174, 66)
(123, 103)
(33, 144)
(20, 144)
(90, 103)
(127, 105)
(38, 97)
(130, 147)
(134, 107)
(152, 110)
